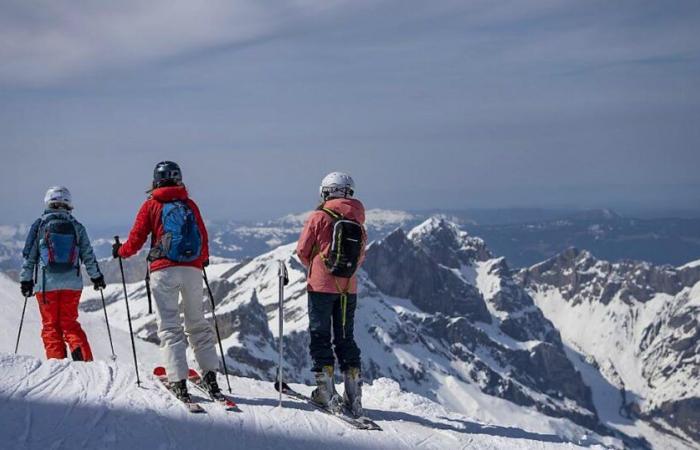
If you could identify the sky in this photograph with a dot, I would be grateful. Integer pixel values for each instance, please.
(439, 104)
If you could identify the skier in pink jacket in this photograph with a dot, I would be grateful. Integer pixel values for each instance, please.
(332, 247)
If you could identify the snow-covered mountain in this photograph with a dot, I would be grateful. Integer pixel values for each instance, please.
(637, 323)
(524, 236)
(11, 244)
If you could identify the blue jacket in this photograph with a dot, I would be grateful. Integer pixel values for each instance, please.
(70, 280)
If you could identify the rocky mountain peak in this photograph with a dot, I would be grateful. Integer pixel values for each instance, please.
(401, 268)
(445, 242)
(580, 276)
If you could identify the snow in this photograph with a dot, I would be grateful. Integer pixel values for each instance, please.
(429, 225)
(295, 219)
(690, 265)
(64, 404)
(598, 334)
(385, 218)
(607, 399)
(487, 282)
(377, 218)
(609, 337)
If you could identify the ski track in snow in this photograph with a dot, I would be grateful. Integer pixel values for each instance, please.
(64, 405)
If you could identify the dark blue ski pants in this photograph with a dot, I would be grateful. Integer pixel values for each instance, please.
(326, 327)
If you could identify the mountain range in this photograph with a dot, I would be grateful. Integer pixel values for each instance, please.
(524, 236)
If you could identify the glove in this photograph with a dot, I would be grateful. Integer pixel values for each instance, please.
(115, 249)
(27, 288)
(206, 263)
(99, 282)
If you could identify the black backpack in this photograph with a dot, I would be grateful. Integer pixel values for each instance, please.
(346, 245)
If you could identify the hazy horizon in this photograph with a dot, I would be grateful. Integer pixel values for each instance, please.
(482, 216)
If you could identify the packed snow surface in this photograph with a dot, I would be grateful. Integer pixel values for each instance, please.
(64, 404)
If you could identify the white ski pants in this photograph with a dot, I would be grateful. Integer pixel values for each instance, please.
(168, 285)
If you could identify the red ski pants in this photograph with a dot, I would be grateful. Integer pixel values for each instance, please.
(59, 320)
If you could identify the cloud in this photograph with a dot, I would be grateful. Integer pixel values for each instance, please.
(60, 38)
(47, 42)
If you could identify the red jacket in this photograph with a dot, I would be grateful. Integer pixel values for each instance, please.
(315, 240)
(148, 221)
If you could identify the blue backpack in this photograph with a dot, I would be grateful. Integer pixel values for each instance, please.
(58, 244)
(181, 240)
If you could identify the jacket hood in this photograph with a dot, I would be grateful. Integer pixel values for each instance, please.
(169, 193)
(350, 208)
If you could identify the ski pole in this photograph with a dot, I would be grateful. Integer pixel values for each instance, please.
(148, 287)
(21, 322)
(109, 332)
(216, 326)
(128, 316)
(283, 281)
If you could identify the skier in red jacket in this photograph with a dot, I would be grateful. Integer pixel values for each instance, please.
(179, 252)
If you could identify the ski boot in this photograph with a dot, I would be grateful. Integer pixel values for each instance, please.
(77, 354)
(352, 397)
(325, 394)
(210, 384)
(179, 388)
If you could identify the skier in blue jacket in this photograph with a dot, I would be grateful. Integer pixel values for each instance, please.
(55, 246)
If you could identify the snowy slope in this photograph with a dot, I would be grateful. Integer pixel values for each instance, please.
(60, 404)
(638, 324)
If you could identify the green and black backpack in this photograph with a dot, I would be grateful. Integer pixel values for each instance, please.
(346, 245)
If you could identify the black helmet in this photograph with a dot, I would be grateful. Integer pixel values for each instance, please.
(167, 173)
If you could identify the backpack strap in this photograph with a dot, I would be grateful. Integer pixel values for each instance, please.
(335, 215)
(343, 301)
(76, 248)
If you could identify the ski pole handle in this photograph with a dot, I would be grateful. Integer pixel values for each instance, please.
(116, 239)
(282, 273)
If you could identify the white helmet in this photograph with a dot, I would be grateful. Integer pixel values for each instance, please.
(60, 195)
(337, 184)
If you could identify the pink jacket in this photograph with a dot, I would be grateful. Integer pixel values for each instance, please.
(315, 240)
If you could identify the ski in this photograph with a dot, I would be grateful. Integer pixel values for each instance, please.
(360, 423)
(160, 375)
(196, 381)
